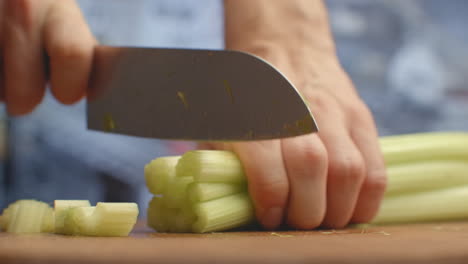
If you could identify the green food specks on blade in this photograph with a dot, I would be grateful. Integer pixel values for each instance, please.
(228, 89)
(109, 123)
(183, 98)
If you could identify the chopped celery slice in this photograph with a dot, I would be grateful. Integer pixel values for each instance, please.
(205, 191)
(28, 216)
(106, 219)
(114, 219)
(223, 213)
(61, 207)
(78, 221)
(159, 172)
(211, 166)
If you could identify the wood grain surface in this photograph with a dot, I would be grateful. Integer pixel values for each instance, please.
(423, 243)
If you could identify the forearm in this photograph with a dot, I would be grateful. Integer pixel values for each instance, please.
(294, 35)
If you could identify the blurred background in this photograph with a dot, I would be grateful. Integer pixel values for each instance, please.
(408, 59)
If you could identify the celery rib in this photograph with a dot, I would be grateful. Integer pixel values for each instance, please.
(425, 147)
(211, 166)
(425, 176)
(224, 213)
(438, 205)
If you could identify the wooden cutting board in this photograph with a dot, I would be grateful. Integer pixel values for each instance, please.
(423, 243)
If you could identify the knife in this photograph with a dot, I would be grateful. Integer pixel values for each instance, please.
(186, 94)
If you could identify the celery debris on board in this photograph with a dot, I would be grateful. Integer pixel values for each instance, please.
(427, 181)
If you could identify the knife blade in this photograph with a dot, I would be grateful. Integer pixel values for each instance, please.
(182, 94)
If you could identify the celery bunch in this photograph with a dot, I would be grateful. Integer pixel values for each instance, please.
(204, 191)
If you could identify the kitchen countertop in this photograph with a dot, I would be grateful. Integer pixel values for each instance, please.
(422, 243)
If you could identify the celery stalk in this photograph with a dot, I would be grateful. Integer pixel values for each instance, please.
(425, 147)
(211, 166)
(184, 220)
(176, 193)
(159, 172)
(425, 176)
(437, 205)
(170, 218)
(156, 214)
(204, 191)
(224, 213)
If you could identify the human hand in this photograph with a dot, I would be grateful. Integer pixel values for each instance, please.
(330, 178)
(41, 41)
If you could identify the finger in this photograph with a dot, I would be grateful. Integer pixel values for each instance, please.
(23, 56)
(69, 44)
(305, 158)
(268, 182)
(346, 169)
(365, 137)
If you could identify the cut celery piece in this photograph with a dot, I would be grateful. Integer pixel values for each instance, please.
(78, 221)
(424, 147)
(61, 207)
(175, 195)
(48, 221)
(425, 176)
(438, 205)
(106, 219)
(28, 216)
(114, 219)
(224, 213)
(158, 173)
(205, 191)
(211, 166)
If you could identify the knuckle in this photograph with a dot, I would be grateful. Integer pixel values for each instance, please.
(360, 113)
(271, 193)
(376, 181)
(70, 52)
(20, 13)
(350, 168)
(314, 159)
(315, 154)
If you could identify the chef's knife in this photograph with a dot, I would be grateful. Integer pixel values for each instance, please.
(186, 94)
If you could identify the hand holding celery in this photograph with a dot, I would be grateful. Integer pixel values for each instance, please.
(205, 191)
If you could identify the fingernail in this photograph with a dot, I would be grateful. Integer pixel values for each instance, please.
(272, 217)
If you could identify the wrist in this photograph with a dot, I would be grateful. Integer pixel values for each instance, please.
(305, 66)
